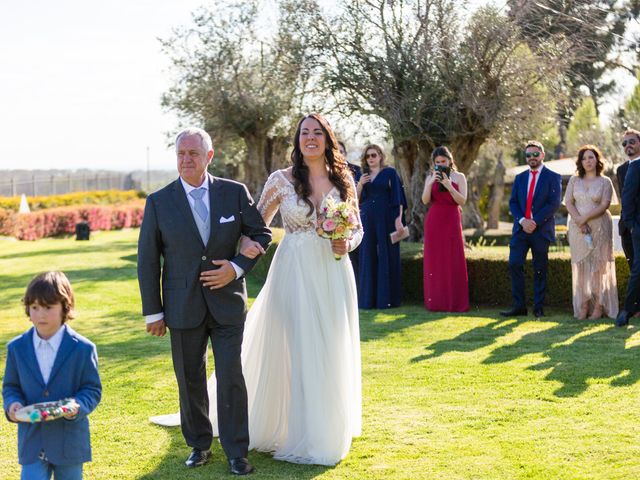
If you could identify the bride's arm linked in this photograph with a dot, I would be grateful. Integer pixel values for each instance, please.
(267, 206)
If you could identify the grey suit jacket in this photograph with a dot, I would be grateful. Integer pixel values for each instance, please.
(171, 254)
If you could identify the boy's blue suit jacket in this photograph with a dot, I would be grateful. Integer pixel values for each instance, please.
(74, 374)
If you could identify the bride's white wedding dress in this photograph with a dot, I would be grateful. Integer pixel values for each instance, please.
(301, 347)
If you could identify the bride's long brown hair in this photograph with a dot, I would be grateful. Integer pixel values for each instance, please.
(339, 173)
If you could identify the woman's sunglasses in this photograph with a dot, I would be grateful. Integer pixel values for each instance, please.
(371, 155)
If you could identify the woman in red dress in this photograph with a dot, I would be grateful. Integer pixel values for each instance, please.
(446, 286)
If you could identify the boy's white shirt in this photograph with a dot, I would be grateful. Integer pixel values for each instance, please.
(46, 351)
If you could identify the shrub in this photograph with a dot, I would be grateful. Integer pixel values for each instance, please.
(489, 279)
(98, 197)
(7, 222)
(63, 220)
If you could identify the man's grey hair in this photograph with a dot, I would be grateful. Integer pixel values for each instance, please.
(207, 144)
(534, 143)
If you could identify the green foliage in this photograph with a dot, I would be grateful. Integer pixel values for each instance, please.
(584, 127)
(97, 197)
(632, 105)
(592, 30)
(239, 80)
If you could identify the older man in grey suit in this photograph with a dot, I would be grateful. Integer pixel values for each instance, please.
(192, 281)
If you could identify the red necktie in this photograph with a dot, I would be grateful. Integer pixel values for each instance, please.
(527, 212)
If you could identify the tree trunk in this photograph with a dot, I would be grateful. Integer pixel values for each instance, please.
(471, 216)
(563, 124)
(497, 193)
(412, 158)
(465, 151)
(275, 153)
(255, 173)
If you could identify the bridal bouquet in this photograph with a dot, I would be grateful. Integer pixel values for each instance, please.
(336, 221)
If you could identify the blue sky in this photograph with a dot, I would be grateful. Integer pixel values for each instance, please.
(81, 80)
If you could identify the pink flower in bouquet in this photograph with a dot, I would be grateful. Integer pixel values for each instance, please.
(328, 225)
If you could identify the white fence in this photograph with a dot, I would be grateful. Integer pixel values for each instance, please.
(65, 183)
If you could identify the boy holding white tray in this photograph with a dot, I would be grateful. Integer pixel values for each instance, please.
(51, 364)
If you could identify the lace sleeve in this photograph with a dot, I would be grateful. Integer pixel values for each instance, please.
(568, 195)
(609, 192)
(271, 197)
(356, 238)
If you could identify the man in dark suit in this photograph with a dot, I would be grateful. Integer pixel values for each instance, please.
(535, 197)
(629, 181)
(192, 281)
(631, 145)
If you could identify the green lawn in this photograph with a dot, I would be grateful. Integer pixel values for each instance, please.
(445, 397)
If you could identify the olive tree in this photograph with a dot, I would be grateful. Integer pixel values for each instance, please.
(239, 79)
(434, 78)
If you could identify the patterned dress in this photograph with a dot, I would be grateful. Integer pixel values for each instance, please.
(593, 271)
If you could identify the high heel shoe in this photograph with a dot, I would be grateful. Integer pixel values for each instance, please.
(597, 313)
(584, 310)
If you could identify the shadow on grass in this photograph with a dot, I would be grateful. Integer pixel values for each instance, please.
(376, 324)
(172, 465)
(592, 357)
(471, 340)
(76, 276)
(74, 249)
(574, 355)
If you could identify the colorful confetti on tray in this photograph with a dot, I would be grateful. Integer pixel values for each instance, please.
(44, 412)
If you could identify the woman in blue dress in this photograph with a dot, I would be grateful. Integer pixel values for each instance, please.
(381, 208)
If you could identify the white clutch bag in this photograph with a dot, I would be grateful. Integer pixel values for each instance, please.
(397, 236)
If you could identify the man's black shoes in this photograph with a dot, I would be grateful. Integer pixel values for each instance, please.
(198, 458)
(623, 319)
(240, 466)
(538, 312)
(515, 312)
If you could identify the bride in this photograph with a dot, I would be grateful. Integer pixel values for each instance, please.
(301, 347)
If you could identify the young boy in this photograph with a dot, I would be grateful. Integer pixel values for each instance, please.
(51, 362)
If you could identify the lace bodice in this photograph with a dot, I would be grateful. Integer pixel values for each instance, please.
(279, 193)
(588, 195)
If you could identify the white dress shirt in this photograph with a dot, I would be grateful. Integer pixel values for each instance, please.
(205, 198)
(46, 351)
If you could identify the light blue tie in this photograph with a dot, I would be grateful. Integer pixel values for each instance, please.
(199, 206)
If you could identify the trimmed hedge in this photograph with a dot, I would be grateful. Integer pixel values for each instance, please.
(98, 197)
(59, 221)
(489, 279)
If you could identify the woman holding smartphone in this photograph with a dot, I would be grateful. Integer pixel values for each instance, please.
(446, 285)
(381, 207)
